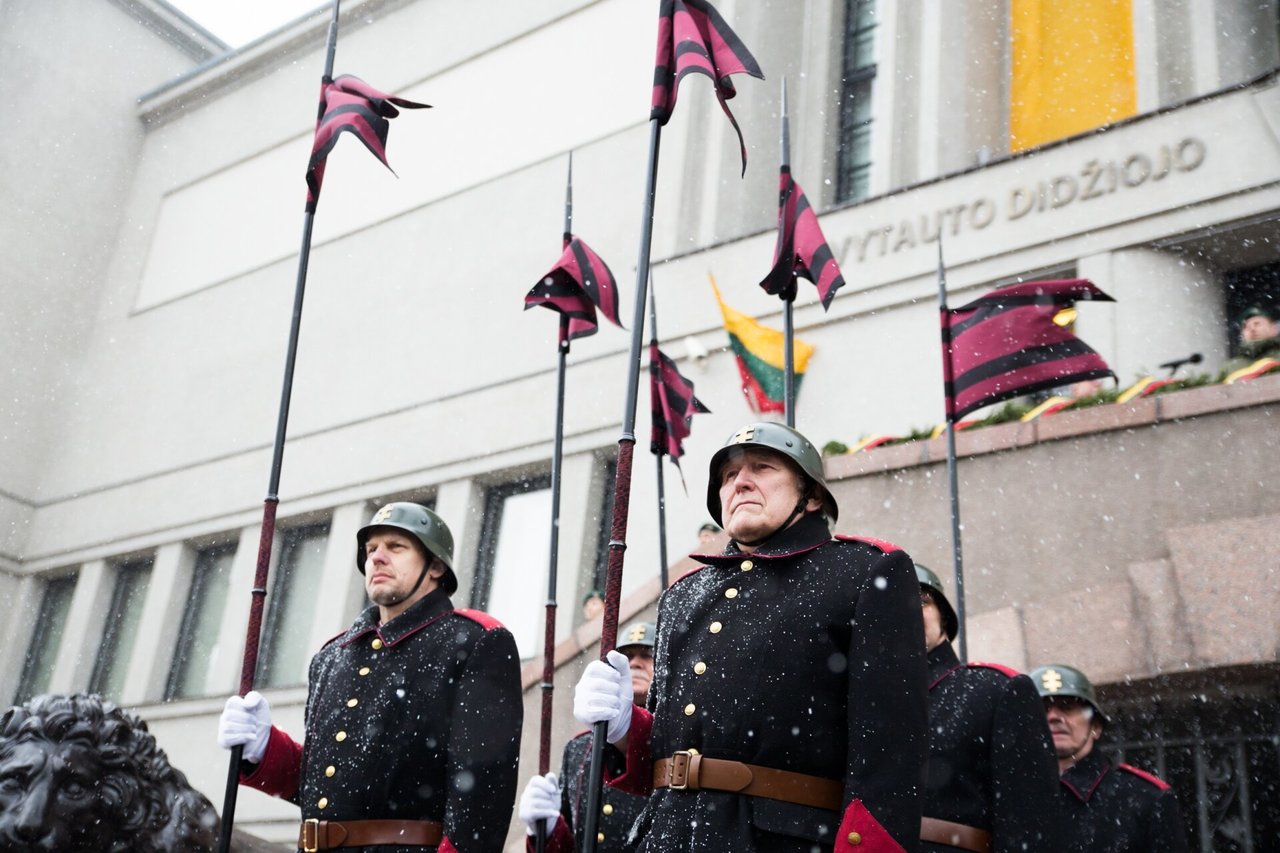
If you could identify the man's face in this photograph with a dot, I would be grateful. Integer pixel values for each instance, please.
(1258, 328)
(641, 660)
(934, 633)
(759, 490)
(393, 560)
(1073, 726)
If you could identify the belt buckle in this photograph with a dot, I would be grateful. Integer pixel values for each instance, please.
(311, 835)
(679, 780)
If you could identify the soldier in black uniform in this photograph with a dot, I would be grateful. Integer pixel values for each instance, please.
(413, 714)
(1109, 807)
(991, 784)
(560, 802)
(789, 700)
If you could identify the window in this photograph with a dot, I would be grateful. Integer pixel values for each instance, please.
(283, 656)
(197, 646)
(515, 543)
(42, 654)
(858, 72)
(1248, 288)
(123, 618)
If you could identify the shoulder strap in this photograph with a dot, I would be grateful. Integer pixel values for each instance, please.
(484, 620)
(881, 544)
(1142, 774)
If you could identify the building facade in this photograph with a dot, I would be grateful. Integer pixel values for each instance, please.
(158, 187)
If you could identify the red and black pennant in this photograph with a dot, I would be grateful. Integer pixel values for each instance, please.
(350, 105)
(802, 249)
(673, 404)
(1007, 344)
(694, 39)
(578, 285)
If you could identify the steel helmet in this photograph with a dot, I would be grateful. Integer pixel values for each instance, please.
(1061, 680)
(782, 439)
(933, 583)
(425, 526)
(637, 634)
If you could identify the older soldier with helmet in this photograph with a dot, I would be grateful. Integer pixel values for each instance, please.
(413, 714)
(1109, 807)
(560, 802)
(789, 702)
(990, 784)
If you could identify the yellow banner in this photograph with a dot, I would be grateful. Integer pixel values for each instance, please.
(764, 343)
(1073, 68)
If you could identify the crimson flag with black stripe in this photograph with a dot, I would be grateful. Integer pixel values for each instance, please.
(578, 285)
(350, 105)
(674, 405)
(694, 39)
(1014, 341)
(801, 249)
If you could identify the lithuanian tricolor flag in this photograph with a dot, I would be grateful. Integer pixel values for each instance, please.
(1073, 68)
(761, 358)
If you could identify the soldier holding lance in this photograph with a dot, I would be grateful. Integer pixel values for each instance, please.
(788, 706)
(559, 802)
(413, 714)
(991, 785)
(1109, 807)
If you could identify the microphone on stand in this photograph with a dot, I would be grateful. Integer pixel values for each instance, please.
(1172, 366)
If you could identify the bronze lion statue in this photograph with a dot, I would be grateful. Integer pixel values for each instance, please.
(79, 774)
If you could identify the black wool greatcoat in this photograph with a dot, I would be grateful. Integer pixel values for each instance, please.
(805, 656)
(991, 762)
(417, 719)
(1115, 808)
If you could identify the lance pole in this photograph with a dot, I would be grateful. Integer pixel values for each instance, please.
(258, 593)
(553, 562)
(655, 377)
(957, 554)
(622, 485)
(789, 294)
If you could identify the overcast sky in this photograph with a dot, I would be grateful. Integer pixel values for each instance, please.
(238, 22)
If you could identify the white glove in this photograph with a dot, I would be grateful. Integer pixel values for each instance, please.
(604, 694)
(540, 801)
(246, 722)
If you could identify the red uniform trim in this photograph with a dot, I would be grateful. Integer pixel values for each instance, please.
(860, 832)
(882, 544)
(998, 667)
(446, 846)
(280, 771)
(558, 840)
(1142, 774)
(484, 620)
(638, 777)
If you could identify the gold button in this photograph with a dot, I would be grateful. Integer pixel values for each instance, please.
(340, 737)
(747, 565)
(599, 836)
(608, 809)
(855, 838)
(692, 751)
(715, 627)
(699, 668)
(376, 644)
(351, 703)
(689, 709)
(730, 593)
(364, 670)
(330, 770)
(323, 804)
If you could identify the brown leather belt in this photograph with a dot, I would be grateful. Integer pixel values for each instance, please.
(690, 771)
(955, 834)
(317, 835)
